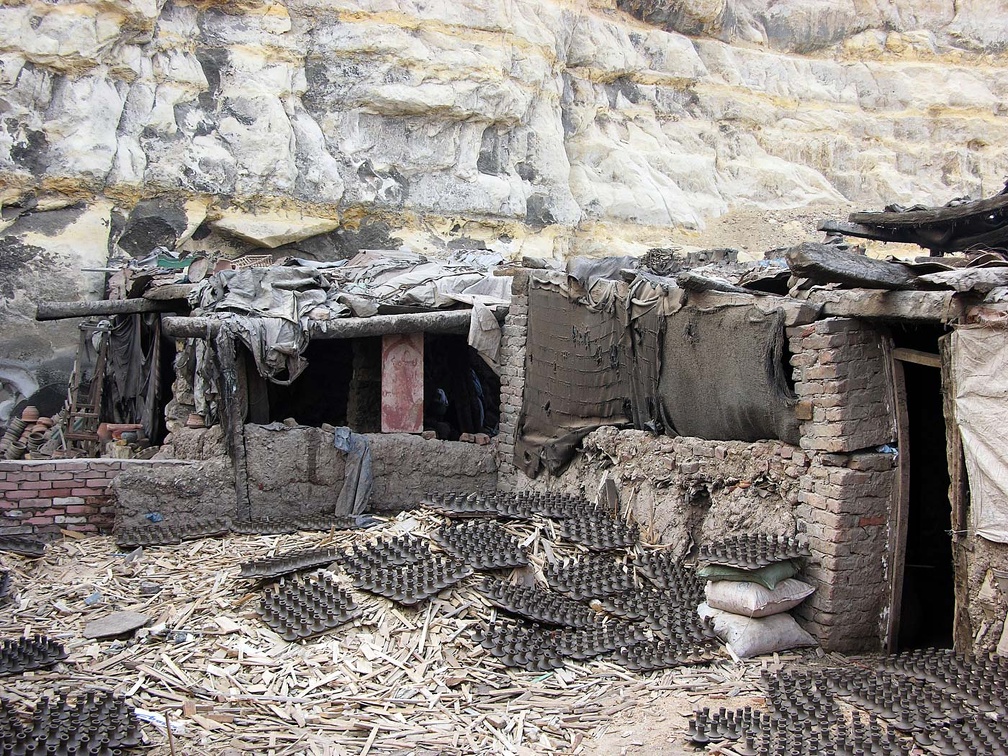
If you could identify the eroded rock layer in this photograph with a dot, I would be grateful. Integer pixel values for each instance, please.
(530, 126)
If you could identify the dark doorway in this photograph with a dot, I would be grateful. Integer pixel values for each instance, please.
(319, 394)
(927, 603)
(461, 392)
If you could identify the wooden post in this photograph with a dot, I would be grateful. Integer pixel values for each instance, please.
(442, 321)
(901, 500)
(61, 310)
(962, 629)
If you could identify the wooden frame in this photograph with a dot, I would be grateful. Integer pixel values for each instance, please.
(901, 499)
(962, 630)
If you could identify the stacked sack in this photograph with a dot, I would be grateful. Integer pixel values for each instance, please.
(750, 590)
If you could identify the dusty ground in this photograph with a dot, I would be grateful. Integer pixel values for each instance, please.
(755, 231)
(658, 726)
(393, 681)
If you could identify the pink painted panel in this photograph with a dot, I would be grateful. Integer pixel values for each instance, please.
(402, 383)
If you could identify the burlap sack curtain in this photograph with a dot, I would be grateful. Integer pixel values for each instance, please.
(642, 359)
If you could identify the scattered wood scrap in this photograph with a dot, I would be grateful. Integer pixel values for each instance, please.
(393, 680)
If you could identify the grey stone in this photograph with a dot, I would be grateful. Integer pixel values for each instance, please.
(115, 625)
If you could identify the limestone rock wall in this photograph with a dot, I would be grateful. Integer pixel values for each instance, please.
(532, 126)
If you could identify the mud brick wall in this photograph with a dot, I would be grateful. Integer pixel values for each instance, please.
(843, 384)
(42, 497)
(845, 502)
(514, 337)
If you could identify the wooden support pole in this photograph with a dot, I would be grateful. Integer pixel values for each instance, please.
(62, 310)
(937, 306)
(450, 321)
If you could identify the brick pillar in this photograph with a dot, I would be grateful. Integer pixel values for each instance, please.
(513, 341)
(845, 500)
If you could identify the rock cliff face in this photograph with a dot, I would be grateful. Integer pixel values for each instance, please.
(549, 127)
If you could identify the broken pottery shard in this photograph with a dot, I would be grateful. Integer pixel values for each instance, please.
(119, 623)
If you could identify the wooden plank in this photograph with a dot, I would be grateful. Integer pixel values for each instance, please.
(860, 231)
(63, 310)
(901, 502)
(828, 263)
(934, 306)
(449, 321)
(691, 281)
(402, 383)
(169, 292)
(917, 357)
(931, 216)
(962, 629)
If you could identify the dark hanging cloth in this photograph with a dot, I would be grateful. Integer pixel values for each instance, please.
(724, 375)
(133, 372)
(575, 379)
(637, 358)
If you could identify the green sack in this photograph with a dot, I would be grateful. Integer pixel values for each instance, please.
(767, 576)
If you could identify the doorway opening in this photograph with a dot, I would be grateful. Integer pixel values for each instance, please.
(319, 395)
(926, 598)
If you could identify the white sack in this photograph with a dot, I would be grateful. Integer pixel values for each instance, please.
(750, 636)
(755, 600)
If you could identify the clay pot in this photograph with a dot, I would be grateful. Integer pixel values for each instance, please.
(16, 450)
(38, 428)
(104, 434)
(35, 440)
(46, 422)
(30, 414)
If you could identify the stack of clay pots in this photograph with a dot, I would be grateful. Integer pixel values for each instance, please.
(26, 435)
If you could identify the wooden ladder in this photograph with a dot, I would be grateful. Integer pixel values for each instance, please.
(85, 394)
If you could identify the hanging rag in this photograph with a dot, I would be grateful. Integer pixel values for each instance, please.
(358, 479)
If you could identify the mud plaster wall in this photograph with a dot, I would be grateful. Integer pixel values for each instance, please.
(981, 621)
(687, 490)
(295, 471)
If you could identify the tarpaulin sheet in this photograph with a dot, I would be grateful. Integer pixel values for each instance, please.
(269, 309)
(980, 374)
(723, 375)
(574, 381)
